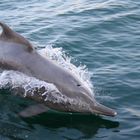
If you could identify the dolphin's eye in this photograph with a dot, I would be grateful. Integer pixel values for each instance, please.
(78, 85)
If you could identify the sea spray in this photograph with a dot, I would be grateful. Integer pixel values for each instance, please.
(25, 86)
(59, 56)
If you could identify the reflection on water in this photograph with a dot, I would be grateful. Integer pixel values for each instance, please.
(87, 125)
(15, 127)
(68, 125)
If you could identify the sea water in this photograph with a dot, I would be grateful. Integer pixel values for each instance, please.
(102, 37)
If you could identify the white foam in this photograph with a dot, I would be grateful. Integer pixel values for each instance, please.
(59, 56)
(15, 79)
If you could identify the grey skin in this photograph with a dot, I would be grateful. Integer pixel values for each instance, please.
(17, 53)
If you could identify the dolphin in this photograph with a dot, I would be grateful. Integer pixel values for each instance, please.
(18, 54)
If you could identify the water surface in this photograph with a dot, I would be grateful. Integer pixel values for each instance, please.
(104, 35)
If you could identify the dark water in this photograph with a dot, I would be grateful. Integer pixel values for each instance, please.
(102, 34)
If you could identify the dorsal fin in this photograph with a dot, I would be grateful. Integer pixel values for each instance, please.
(9, 35)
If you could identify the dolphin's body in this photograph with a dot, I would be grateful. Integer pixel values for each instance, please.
(16, 53)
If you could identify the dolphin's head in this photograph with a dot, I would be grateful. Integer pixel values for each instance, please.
(95, 106)
(81, 99)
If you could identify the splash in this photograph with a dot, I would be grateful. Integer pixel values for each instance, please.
(30, 85)
(59, 56)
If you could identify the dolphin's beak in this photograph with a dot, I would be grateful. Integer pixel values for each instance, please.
(96, 107)
(103, 110)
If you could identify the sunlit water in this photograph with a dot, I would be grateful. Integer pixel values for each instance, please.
(101, 35)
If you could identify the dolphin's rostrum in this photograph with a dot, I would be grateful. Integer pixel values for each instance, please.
(17, 53)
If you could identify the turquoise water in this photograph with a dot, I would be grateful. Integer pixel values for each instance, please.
(103, 35)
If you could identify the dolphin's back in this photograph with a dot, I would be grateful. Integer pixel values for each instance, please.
(18, 54)
(12, 48)
(11, 56)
